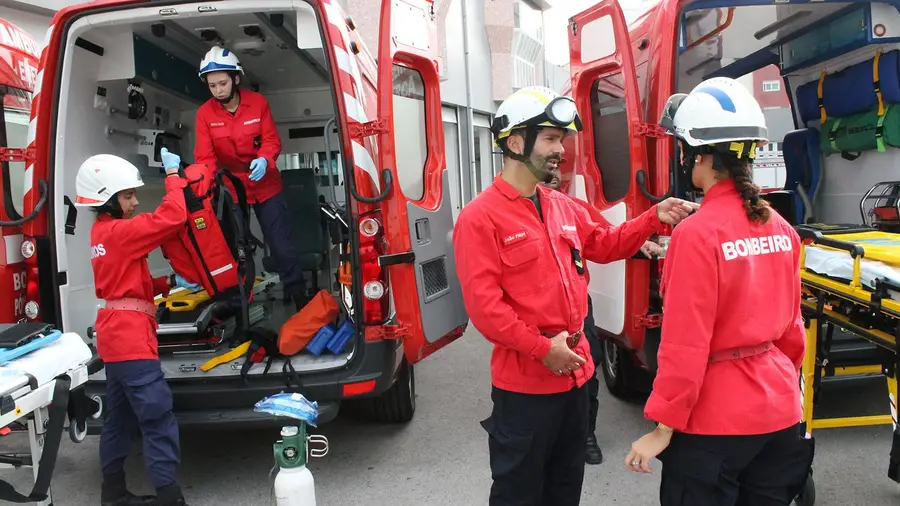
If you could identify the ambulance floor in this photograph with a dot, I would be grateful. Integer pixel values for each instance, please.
(443, 451)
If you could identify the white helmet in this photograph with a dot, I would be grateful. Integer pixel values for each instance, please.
(535, 106)
(100, 177)
(717, 111)
(219, 59)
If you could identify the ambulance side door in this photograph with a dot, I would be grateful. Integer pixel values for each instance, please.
(610, 149)
(418, 212)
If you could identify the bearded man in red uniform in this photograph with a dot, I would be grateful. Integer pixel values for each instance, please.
(520, 251)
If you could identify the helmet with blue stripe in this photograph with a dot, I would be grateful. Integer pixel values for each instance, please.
(219, 59)
(719, 112)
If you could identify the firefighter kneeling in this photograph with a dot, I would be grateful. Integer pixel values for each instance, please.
(726, 396)
(137, 395)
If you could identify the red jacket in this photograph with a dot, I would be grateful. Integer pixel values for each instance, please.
(233, 141)
(119, 250)
(596, 217)
(520, 283)
(729, 283)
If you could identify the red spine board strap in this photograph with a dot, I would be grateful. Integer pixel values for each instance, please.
(212, 248)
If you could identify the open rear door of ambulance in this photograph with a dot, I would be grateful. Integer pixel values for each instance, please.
(611, 147)
(418, 212)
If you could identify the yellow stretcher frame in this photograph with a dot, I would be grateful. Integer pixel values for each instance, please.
(823, 299)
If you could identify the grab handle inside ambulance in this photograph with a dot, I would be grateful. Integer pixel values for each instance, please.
(641, 178)
(388, 183)
(18, 220)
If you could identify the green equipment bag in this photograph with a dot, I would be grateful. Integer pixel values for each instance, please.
(852, 135)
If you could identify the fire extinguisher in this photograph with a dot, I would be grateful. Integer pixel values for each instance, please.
(294, 484)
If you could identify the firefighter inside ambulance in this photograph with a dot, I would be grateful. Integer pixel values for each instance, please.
(725, 396)
(236, 132)
(520, 250)
(137, 395)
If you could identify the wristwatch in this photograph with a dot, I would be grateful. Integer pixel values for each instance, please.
(663, 427)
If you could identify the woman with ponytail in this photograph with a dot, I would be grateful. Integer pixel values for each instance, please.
(726, 397)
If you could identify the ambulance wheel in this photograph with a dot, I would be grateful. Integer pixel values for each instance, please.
(398, 404)
(618, 370)
(76, 434)
(807, 496)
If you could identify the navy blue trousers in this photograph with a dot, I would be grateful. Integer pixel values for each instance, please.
(138, 399)
(593, 384)
(275, 222)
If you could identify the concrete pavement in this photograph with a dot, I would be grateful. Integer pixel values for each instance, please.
(442, 453)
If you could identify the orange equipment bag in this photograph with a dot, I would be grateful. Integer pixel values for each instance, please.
(299, 330)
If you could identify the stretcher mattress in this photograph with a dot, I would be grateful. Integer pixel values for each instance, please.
(46, 363)
(881, 260)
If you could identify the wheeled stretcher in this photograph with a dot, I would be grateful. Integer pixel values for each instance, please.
(851, 281)
(43, 389)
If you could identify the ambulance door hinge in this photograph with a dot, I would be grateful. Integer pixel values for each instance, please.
(359, 131)
(649, 321)
(648, 130)
(391, 332)
(17, 154)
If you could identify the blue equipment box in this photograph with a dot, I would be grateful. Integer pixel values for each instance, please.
(319, 341)
(341, 338)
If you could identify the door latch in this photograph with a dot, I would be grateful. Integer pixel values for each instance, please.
(408, 257)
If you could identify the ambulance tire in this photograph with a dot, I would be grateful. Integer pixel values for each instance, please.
(619, 370)
(807, 496)
(398, 403)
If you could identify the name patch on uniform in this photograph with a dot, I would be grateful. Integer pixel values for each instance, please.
(754, 246)
(569, 228)
(514, 238)
(217, 124)
(252, 121)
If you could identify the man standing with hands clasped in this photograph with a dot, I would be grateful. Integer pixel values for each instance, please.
(520, 252)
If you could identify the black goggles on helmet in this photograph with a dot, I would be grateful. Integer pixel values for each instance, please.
(560, 112)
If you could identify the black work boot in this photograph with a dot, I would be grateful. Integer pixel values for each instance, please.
(170, 495)
(114, 493)
(594, 455)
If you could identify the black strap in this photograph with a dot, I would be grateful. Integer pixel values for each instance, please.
(71, 216)
(57, 413)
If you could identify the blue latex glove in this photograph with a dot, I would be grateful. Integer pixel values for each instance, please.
(258, 169)
(183, 283)
(170, 160)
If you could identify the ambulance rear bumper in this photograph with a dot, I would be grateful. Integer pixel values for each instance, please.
(228, 402)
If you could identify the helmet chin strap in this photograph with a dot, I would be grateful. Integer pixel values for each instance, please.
(234, 89)
(531, 134)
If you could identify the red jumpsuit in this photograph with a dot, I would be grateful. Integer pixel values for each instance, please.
(232, 141)
(519, 271)
(119, 250)
(137, 395)
(729, 360)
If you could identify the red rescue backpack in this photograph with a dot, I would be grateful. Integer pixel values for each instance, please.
(215, 247)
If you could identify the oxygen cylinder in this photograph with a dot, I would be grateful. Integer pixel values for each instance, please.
(294, 484)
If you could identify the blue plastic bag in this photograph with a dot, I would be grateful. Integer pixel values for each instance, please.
(290, 405)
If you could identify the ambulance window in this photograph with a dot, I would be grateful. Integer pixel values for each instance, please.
(611, 138)
(409, 131)
(15, 119)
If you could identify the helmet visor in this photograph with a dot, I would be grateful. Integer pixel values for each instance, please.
(667, 121)
(560, 112)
